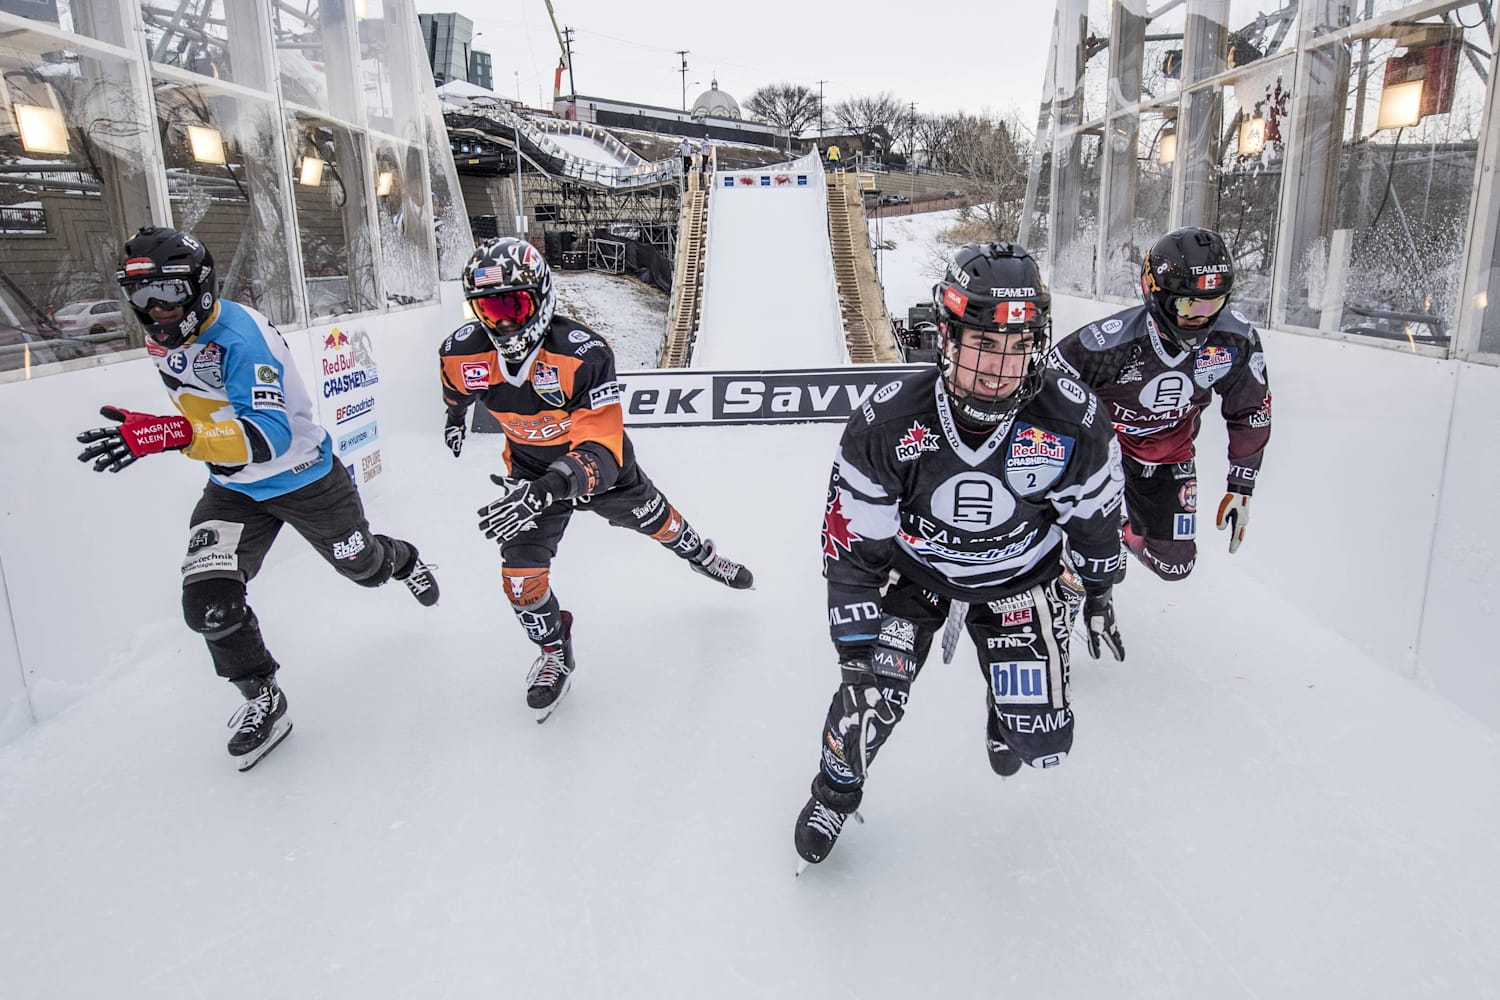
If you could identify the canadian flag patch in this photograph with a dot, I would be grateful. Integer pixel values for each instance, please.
(1015, 312)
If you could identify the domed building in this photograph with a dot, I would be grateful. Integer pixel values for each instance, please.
(715, 103)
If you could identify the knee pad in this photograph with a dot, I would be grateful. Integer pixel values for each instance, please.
(1170, 560)
(527, 587)
(896, 656)
(214, 607)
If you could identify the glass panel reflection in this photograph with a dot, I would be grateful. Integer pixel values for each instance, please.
(226, 180)
(72, 186)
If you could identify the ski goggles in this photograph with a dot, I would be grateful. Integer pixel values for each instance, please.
(506, 310)
(167, 293)
(1186, 307)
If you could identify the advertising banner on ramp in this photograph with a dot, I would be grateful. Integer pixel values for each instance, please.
(685, 397)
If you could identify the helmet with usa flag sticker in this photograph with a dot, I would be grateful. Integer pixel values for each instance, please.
(995, 322)
(509, 288)
(1186, 279)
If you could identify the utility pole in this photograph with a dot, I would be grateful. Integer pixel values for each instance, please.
(684, 54)
(820, 109)
(568, 45)
(911, 151)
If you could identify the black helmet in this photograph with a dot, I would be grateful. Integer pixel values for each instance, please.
(509, 287)
(994, 287)
(1186, 278)
(170, 268)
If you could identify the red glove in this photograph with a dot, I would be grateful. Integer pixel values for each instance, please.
(139, 434)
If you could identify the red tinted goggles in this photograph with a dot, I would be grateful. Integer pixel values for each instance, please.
(1190, 308)
(506, 310)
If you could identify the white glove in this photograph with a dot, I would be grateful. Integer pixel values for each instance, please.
(1234, 514)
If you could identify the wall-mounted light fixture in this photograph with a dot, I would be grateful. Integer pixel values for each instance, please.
(1166, 152)
(311, 174)
(42, 129)
(385, 182)
(1400, 105)
(1252, 136)
(207, 144)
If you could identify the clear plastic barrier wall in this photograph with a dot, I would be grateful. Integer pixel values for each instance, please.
(1345, 149)
(302, 143)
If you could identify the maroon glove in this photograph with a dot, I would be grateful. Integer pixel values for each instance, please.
(139, 434)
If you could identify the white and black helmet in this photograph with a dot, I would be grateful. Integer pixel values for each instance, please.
(509, 287)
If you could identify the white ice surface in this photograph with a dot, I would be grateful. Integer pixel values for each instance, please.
(1253, 807)
(769, 297)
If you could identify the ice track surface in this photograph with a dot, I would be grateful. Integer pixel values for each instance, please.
(1241, 816)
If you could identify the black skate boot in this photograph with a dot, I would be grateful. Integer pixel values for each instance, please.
(716, 567)
(1003, 760)
(822, 820)
(419, 580)
(552, 673)
(260, 723)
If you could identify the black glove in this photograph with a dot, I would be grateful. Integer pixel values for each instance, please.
(1099, 617)
(454, 430)
(524, 501)
(863, 702)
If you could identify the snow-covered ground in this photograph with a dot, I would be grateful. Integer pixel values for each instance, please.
(629, 313)
(1253, 808)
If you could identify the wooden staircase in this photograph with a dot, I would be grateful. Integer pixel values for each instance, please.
(687, 280)
(867, 326)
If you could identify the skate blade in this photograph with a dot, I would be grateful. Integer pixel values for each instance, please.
(279, 732)
(543, 714)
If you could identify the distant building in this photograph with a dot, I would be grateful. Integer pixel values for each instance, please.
(723, 123)
(449, 40)
(479, 69)
(715, 103)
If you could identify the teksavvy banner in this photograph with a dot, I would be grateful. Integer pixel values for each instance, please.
(346, 384)
(681, 398)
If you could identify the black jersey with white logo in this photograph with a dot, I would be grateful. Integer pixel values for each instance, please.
(974, 519)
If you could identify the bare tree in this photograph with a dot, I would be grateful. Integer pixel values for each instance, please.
(785, 105)
(993, 152)
(873, 117)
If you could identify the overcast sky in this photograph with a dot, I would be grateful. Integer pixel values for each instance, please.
(958, 57)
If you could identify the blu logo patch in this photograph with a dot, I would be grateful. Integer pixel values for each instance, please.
(1023, 683)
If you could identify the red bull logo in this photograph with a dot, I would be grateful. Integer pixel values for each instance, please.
(1215, 356)
(1033, 442)
(336, 339)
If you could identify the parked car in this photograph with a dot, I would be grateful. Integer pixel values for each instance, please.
(27, 337)
(895, 199)
(90, 316)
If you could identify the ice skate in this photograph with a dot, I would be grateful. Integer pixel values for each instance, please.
(716, 567)
(260, 724)
(822, 820)
(552, 673)
(420, 581)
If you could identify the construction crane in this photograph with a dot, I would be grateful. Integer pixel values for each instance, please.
(563, 62)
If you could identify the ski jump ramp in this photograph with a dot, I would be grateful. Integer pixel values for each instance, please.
(770, 298)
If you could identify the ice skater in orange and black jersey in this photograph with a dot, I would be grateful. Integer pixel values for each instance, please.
(550, 382)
